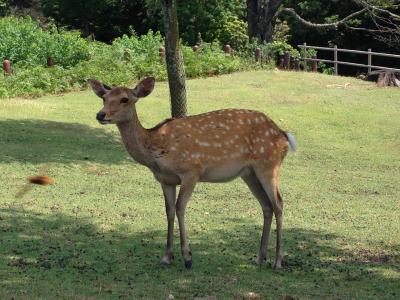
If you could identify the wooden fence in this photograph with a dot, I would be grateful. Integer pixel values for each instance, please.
(336, 62)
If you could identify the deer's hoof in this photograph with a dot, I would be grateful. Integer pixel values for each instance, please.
(188, 264)
(166, 260)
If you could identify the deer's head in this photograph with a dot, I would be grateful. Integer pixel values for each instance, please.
(119, 102)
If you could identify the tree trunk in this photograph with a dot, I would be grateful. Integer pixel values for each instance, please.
(261, 18)
(176, 72)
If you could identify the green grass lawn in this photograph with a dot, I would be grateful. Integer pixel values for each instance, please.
(100, 231)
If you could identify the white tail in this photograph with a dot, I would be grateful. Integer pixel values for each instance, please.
(216, 146)
(292, 142)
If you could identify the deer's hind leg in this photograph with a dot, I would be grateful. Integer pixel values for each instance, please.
(170, 198)
(268, 178)
(256, 188)
(185, 192)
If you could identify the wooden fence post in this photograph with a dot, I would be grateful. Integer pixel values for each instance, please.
(50, 62)
(335, 53)
(314, 64)
(369, 60)
(281, 63)
(228, 50)
(7, 67)
(258, 54)
(161, 52)
(286, 59)
(297, 64)
(305, 57)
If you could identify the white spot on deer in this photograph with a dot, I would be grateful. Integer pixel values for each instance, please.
(195, 155)
(241, 121)
(262, 149)
(243, 149)
(266, 133)
(249, 121)
(271, 143)
(173, 148)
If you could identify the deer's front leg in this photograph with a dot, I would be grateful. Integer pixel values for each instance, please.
(170, 197)
(185, 192)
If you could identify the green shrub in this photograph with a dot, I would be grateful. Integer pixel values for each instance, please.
(26, 44)
(124, 61)
(209, 60)
(233, 31)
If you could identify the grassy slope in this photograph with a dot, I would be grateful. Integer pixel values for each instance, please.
(99, 232)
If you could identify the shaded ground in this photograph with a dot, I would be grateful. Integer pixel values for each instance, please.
(73, 253)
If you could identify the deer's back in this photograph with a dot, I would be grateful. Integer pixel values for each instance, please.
(219, 144)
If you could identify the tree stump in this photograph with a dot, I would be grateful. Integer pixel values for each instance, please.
(388, 78)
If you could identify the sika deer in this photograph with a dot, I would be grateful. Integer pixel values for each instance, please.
(217, 146)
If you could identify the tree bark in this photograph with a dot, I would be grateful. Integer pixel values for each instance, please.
(175, 69)
(261, 18)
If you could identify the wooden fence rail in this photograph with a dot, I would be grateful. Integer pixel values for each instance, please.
(336, 62)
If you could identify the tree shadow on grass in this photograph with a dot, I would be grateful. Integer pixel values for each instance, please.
(61, 256)
(42, 141)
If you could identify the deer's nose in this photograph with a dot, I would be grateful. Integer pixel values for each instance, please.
(100, 116)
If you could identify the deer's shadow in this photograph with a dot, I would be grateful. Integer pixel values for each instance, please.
(42, 141)
(84, 256)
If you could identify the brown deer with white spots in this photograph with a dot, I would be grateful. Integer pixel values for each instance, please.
(216, 146)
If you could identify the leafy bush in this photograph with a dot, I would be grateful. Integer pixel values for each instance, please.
(209, 60)
(128, 58)
(233, 31)
(26, 44)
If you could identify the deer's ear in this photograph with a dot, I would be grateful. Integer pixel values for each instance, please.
(98, 88)
(145, 87)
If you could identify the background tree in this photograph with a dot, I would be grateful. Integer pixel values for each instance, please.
(176, 71)
(205, 19)
(350, 23)
(261, 18)
(104, 19)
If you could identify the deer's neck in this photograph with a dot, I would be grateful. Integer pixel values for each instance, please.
(136, 140)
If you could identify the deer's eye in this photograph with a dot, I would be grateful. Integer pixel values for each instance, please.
(124, 100)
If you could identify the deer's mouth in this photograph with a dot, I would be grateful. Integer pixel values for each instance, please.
(104, 122)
